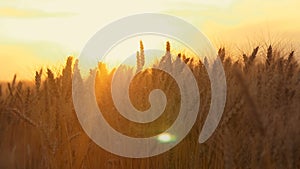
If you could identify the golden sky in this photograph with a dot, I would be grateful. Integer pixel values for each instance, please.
(35, 33)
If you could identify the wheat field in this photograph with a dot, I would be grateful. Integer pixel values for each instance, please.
(260, 127)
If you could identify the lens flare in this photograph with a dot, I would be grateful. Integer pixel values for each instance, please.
(166, 138)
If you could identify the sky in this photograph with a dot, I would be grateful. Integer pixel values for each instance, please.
(42, 33)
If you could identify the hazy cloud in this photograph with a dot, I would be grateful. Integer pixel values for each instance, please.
(14, 12)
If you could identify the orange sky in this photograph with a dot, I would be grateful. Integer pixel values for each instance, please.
(35, 33)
